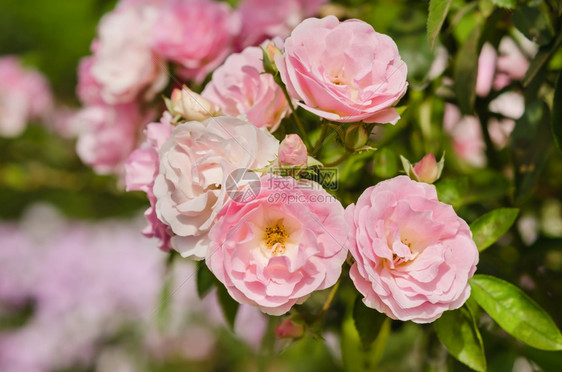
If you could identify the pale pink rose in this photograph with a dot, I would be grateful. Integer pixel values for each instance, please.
(24, 95)
(466, 135)
(240, 86)
(273, 253)
(197, 34)
(192, 106)
(500, 131)
(509, 104)
(194, 165)
(344, 72)
(292, 151)
(266, 19)
(140, 171)
(107, 136)
(124, 65)
(413, 254)
(486, 70)
(511, 60)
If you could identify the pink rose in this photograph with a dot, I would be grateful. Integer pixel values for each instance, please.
(107, 135)
(344, 72)
(266, 19)
(142, 168)
(413, 254)
(124, 65)
(24, 95)
(273, 253)
(88, 89)
(197, 34)
(194, 164)
(292, 151)
(239, 86)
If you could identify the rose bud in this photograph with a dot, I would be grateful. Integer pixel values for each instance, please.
(288, 329)
(192, 106)
(292, 151)
(427, 170)
(356, 136)
(269, 52)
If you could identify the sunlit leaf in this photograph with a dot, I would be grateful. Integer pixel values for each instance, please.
(438, 10)
(487, 229)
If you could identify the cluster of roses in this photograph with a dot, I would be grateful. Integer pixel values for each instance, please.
(141, 43)
(412, 254)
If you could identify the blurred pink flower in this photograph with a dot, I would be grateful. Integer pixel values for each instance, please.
(107, 136)
(272, 253)
(240, 86)
(197, 34)
(466, 136)
(292, 151)
(88, 89)
(486, 70)
(344, 72)
(413, 254)
(24, 95)
(266, 19)
(124, 65)
(194, 164)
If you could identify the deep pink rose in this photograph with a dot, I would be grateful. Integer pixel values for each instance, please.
(343, 72)
(107, 136)
(124, 65)
(197, 34)
(24, 95)
(413, 254)
(292, 151)
(266, 19)
(239, 86)
(194, 164)
(275, 250)
(141, 170)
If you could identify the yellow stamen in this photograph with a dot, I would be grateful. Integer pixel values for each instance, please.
(275, 238)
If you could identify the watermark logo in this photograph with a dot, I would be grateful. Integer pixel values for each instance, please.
(242, 185)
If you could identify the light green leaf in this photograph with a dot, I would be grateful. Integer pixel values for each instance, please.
(509, 4)
(385, 163)
(557, 113)
(487, 229)
(466, 70)
(452, 191)
(438, 10)
(457, 331)
(515, 312)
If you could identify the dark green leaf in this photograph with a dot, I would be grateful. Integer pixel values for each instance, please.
(466, 70)
(457, 331)
(557, 113)
(509, 4)
(368, 322)
(438, 10)
(205, 279)
(529, 146)
(515, 312)
(487, 229)
(534, 24)
(452, 191)
(540, 61)
(228, 305)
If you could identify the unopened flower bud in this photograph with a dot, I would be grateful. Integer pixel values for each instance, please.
(292, 151)
(269, 53)
(427, 170)
(289, 329)
(356, 136)
(192, 106)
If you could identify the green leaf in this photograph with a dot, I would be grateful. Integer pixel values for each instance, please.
(534, 24)
(509, 4)
(438, 10)
(557, 113)
(385, 163)
(368, 322)
(228, 305)
(466, 70)
(164, 312)
(205, 279)
(515, 312)
(457, 331)
(452, 191)
(487, 229)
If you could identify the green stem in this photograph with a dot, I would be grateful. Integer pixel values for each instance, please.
(296, 117)
(320, 141)
(340, 160)
(329, 300)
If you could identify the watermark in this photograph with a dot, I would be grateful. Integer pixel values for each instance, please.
(243, 185)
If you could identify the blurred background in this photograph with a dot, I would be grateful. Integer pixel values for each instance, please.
(82, 290)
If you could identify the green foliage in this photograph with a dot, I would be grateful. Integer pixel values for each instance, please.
(457, 331)
(438, 10)
(509, 4)
(557, 113)
(205, 279)
(466, 70)
(452, 191)
(515, 312)
(487, 229)
(228, 305)
(368, 322)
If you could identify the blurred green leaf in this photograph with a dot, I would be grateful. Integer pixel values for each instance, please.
(515, 312)
(466, 70)
(452, 191)
(368, 322)
(457, 331)
(438, 10)
(487, 229)
(205, 279)
(228, 305)
(540, 61)
(534, 24)
(529, 146)
(385, 163)
(557, 113)
(509, 4)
